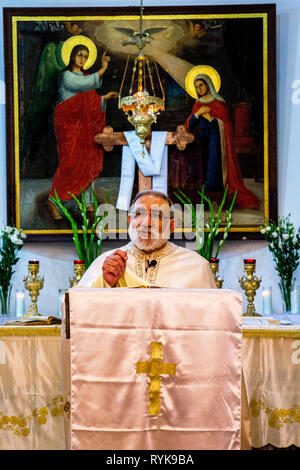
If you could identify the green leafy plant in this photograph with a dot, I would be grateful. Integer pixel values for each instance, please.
(284, 244)
(89, 242)
(11, 241)
(205, 239)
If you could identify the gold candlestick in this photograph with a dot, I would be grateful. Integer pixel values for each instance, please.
(214, 264)
(79, 269)
(33, 283)
(250, 284)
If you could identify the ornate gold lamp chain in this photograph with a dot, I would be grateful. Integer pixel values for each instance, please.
(140, 107)
(141, 16)
(122, 83)
(160, 84)
(150, 76)
(144, 73)
(132, 77)
(140, 76)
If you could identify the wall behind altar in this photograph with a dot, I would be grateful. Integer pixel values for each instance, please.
(56, 259)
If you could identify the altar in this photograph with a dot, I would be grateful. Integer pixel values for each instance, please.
(34, 413)
(154, 369)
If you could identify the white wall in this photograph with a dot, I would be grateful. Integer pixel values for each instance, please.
(56, 260)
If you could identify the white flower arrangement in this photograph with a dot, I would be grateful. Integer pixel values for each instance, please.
(284, 243)
(16, 236)
(11, 241)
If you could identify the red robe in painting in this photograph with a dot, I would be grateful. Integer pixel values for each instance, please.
(76, 121)
(245, 199)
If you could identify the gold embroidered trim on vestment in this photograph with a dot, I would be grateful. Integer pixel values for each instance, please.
(141, 259)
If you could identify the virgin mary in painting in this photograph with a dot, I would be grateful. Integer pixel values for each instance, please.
(210, 114)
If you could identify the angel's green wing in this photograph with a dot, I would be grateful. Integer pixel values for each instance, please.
(43, 98)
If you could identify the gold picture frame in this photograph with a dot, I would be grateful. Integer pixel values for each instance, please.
(238, 40)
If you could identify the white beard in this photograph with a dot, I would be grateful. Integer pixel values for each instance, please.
(144, 241)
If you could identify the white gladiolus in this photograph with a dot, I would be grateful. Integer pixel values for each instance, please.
(268, 229)
(10, 243)
(271, 245)
(16, 240)
(274, 235)
(263, 230)
(285, 236)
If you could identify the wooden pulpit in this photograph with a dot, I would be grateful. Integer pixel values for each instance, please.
(154, 369)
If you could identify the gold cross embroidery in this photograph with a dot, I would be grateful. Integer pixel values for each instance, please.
(155, 367)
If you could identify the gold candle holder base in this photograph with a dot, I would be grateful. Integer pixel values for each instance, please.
(33, 283)
(250, 283)
(79, 269)
(214, 264)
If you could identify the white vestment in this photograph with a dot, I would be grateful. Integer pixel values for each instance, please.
(175, 267)
(153, 164)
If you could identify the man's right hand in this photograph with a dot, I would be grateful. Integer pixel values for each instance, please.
(114, 267)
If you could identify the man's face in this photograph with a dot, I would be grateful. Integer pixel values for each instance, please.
(150, 225)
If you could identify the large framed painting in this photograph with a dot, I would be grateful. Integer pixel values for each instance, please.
(67, 71)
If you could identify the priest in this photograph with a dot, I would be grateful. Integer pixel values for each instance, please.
(150, 259)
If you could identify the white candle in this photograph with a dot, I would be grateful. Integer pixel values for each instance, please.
(20, 303)
(61, 294)
(267, 300)
(295, 300)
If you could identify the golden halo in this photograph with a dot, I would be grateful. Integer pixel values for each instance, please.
(205, 69)
(74, 41)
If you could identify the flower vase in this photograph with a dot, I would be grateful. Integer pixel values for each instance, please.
(286, 288)
(5, 300)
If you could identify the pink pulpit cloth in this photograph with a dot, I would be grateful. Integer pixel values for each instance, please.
(155, 369)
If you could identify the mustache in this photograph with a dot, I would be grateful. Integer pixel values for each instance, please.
(144, 233)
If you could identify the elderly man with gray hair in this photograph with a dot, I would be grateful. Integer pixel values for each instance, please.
(150, 259)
